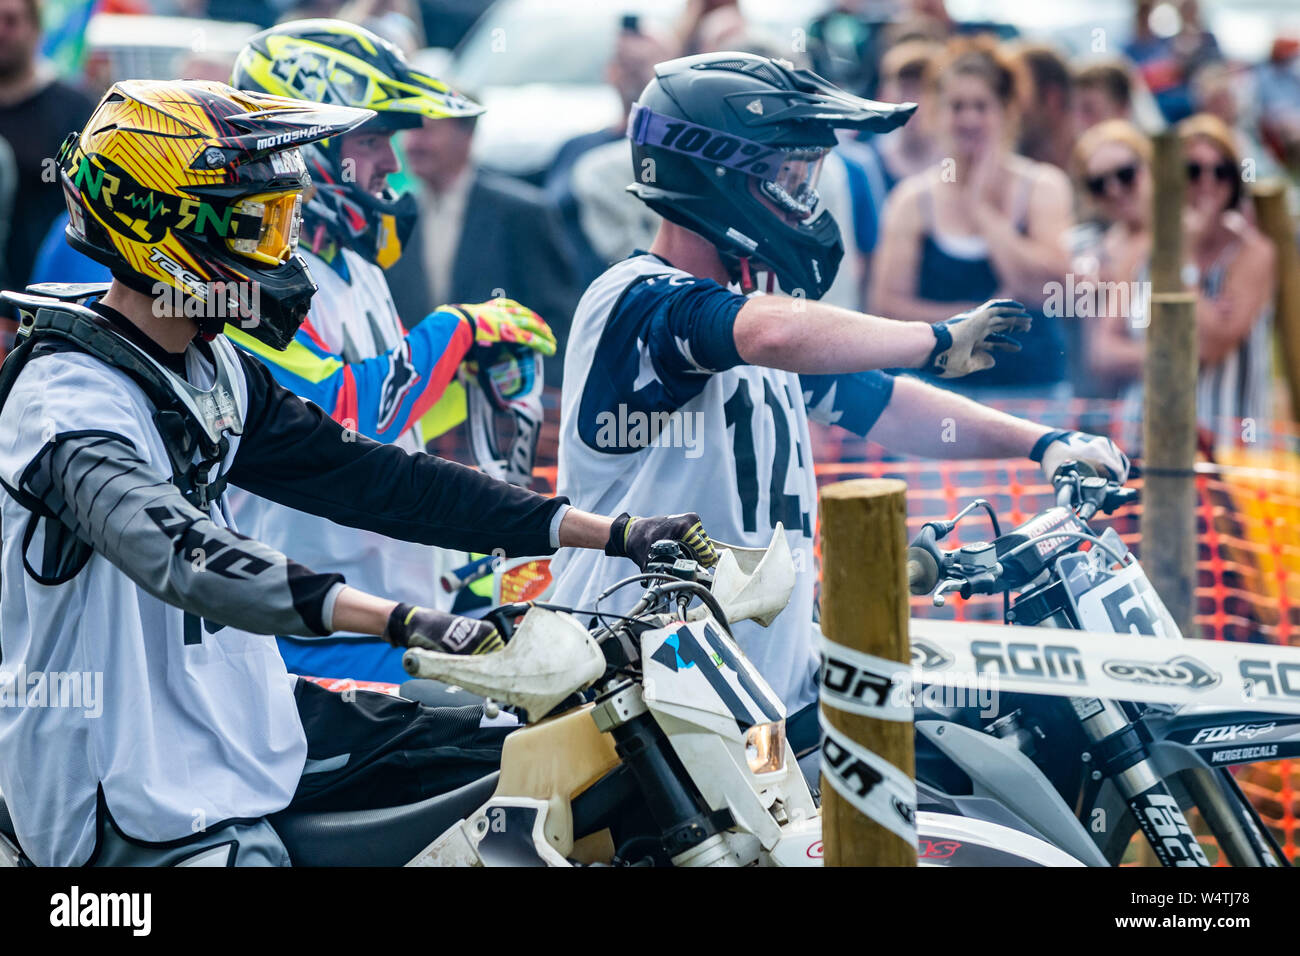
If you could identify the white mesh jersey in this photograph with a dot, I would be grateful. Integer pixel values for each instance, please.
(732, 445)
(355, 319)
(178, 735)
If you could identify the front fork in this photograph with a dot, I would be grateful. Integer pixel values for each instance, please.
(691, 835)
(1119, 753)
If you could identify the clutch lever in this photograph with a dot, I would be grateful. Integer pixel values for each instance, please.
(503, 618)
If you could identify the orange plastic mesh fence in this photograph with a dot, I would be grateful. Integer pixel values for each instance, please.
(1248, 520)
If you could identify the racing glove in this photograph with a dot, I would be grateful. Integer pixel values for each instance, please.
(1057, 447)
(966, 342)
(632, 537)
(412, 626)
(505, 320)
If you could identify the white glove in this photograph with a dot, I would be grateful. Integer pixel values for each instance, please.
(1057, 447)
(966, 342)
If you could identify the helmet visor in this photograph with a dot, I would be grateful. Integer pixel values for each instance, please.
(280, 215)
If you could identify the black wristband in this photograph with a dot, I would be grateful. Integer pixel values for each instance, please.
(394, 631)
(616, 546)
(942, 343)
(1040, 446)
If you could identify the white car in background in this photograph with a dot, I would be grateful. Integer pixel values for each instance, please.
(124, 46)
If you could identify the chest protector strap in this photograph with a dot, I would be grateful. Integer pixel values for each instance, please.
(194, 423)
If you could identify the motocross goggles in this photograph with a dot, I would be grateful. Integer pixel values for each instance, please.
(509, 394)
(280, 218)
(794, 187)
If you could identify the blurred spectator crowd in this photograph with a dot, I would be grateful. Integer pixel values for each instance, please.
(1025, 173)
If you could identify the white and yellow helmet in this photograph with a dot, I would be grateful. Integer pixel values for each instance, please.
(335, 62)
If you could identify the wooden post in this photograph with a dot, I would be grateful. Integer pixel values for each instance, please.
(1274, 220)
(1169, 510)
(865, 608)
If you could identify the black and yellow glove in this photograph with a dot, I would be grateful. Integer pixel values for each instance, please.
(412, 626)
(632, 537)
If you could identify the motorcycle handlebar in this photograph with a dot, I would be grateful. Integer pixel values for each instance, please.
(922, 571)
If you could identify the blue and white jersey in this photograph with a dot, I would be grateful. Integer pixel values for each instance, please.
(660, 415)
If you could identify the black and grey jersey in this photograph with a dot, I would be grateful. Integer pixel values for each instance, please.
(133, 648)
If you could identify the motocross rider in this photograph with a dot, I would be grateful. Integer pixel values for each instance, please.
(352, 356)
(726, 148)
(121, 425)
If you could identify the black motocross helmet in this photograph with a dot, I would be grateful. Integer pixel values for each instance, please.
(729, 145)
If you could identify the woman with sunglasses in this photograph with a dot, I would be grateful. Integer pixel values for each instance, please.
(1236, 266)
(1112, 165)
(1234, 263)
(983, 223)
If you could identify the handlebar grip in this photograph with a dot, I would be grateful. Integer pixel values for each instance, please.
(922, 571)
(503, 618)
(986, 582)
(412, 662)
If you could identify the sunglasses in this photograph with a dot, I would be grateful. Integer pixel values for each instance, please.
(1125, 176)
(1223, 172)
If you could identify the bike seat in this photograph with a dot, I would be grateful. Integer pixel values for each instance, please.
(391, 836)
(437, 694)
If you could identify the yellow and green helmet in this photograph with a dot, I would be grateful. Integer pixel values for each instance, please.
(335, 62)
(194, 186)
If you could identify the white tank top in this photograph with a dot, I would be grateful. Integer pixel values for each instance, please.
(178, 736)
(738, 453)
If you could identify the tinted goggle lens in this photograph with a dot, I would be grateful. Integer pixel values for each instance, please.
(281, 218)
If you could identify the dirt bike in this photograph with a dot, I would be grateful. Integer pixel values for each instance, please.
(658, 743)
(1081, 772)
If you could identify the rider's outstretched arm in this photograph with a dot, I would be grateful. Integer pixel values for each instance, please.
(98, 486)
(907, 415)
(812, 338)
(805, 336)
(931, 422)
(292, 453)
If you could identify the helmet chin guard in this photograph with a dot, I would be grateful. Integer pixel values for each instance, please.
(504, 387)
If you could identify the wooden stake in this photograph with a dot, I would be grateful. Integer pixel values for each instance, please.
(865, 607)
(1169, 545)
(1275, 222)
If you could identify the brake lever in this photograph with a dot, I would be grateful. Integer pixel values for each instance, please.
(503, 618)
(948, 584)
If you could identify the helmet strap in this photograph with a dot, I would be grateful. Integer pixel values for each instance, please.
(746, 280)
